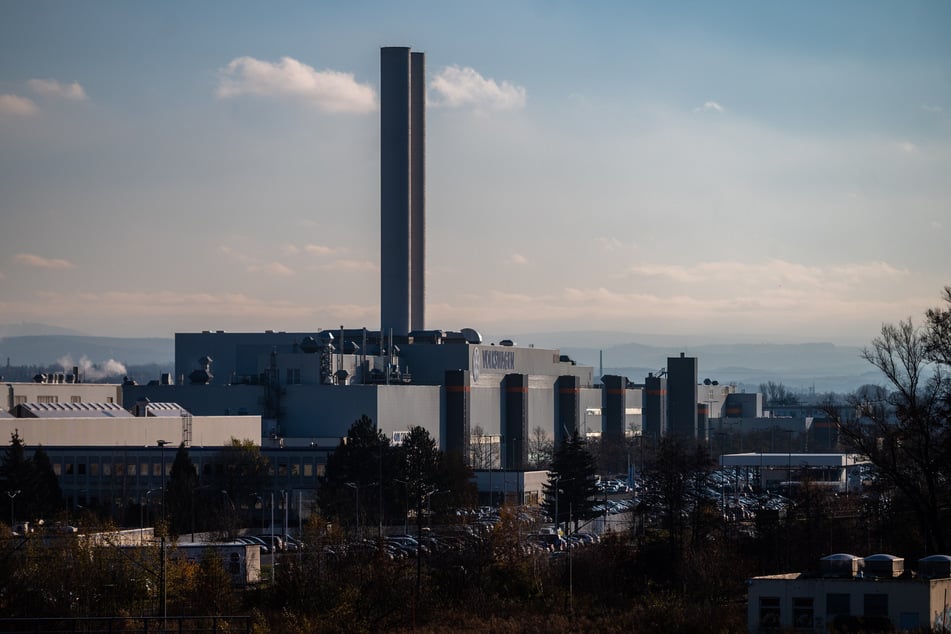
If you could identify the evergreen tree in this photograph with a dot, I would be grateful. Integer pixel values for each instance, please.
(571, 490)
(16, 471)
(181, 493)
(354, 471)
(48, 496)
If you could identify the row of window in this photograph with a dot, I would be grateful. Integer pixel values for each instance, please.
(306, 468)
(803, 611)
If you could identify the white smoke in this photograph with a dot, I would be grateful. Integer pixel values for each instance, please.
(89, 371)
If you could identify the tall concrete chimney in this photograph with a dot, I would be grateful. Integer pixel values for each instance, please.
(402, 190)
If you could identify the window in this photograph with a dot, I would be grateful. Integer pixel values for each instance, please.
(156, 468)
(234, 565)
(837, 603)
(293, 376)
(769, 612)
(308, 470)
(295, 469)
(69, 468)
(144, 468)
(321, 470)
(75, 399)
(57, 469)
(110, 399)
(94, 468)
(46, 398)
(802, 612)
(282, 470)
(876, 605)
(19, 400)
(81, 468)
(107, 468)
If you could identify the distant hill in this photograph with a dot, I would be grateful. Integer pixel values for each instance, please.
(49, 349)
(30, 329)
(803, 367)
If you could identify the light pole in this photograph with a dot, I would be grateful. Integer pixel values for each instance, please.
(161, 444)
(356, 490)
(12, 495)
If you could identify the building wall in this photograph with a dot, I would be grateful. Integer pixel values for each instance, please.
(131, 431)
(912, 603)
(16, 393)
(682, 396)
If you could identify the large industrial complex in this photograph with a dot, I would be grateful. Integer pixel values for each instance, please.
(297, 393)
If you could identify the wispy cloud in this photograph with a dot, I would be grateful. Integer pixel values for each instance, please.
(59, 90)
(16, 105)
(350, 265)
(327, 90)
(271, 268)
(928, 107)
(456, 87)
(517, 258)
(40, 262)
(908, 147)
(321, 249)
(709, 106)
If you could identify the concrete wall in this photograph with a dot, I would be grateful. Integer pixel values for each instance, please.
(131, 431)
(922, 600)
(61, 393)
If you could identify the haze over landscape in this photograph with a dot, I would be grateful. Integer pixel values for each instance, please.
(737, 173)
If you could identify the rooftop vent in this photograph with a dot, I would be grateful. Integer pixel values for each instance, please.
(840, 566)
(934, 567)
(884, 566)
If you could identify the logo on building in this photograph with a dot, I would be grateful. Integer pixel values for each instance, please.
(476, 364)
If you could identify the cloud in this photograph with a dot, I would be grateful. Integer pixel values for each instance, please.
(53, 88)
(350, 265)
(518, 259)
(709, 106)
(908, 147)
(272, 268)
(42, 263)
(327, 90)
(456, 87)
(321, 249)
(927, 107)
(15, 105)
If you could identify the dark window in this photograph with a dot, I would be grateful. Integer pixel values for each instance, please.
(769, 612)
(802, 612)
(837, 603)
(876, 605)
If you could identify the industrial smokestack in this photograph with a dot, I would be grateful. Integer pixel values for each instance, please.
(402, 193)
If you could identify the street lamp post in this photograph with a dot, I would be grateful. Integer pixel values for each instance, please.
(161, 444)
(12, 495)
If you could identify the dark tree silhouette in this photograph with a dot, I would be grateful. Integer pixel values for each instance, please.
(904, 428)
(572, 483)
(181, 493)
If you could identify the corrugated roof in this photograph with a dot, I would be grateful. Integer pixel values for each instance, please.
(74, 410)
(165, 409)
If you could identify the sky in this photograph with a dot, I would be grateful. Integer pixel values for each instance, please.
(743, 170)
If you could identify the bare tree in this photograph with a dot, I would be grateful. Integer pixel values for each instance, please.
(540, 448)
(480, 449)
(903, 429)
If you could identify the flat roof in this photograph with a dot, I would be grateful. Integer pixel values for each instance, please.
(790, 459)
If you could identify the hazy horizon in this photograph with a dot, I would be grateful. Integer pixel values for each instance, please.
(746, 171)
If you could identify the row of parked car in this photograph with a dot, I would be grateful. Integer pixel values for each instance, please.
(270, 542)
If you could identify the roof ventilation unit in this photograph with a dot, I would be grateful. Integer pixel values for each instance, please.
(934, 567)
(840, 566)
(884, 566)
